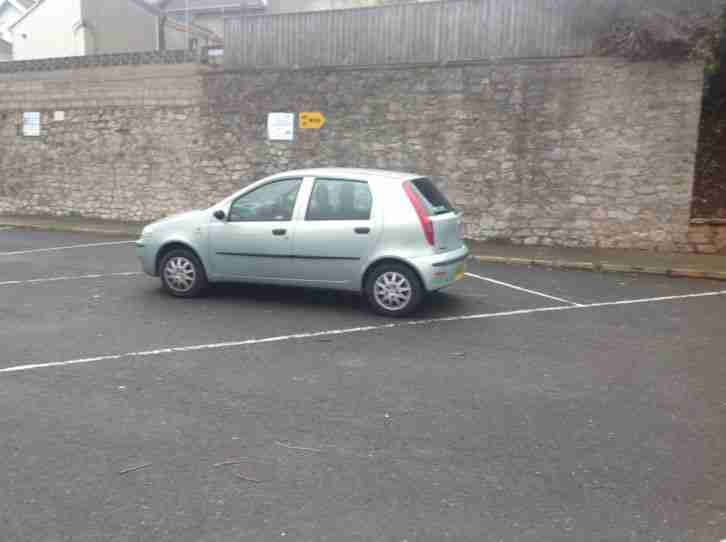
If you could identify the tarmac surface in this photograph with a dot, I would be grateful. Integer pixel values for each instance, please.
(522, 404)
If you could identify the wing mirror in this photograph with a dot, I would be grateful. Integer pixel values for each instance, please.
(219, 215)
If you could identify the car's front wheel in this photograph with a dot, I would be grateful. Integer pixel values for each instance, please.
(182, 274)
(394, 290)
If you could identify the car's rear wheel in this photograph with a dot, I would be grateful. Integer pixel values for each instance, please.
(394, 290)
(182, 274)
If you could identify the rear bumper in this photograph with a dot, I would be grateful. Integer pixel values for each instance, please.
(442, 270)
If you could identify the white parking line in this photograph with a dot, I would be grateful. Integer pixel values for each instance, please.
(347, 331)
(525, 290)
(77, 277)
(68, 247)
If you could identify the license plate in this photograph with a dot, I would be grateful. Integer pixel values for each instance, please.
(459, 272)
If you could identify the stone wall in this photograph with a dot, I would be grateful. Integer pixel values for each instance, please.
(125, 149)
(577, 152)
(708, 236)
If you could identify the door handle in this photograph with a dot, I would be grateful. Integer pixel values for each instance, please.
(279, 232)
(362, 231)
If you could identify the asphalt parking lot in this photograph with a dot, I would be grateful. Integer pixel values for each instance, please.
(523, 404)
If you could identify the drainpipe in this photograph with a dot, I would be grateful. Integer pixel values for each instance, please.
(161, 33)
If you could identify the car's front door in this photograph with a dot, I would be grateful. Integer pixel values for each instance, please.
(340, 228)
(255, 240)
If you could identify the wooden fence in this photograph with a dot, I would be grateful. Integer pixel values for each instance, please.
(437, 31)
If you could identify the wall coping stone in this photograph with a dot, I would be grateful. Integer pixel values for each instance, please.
(93, 61)
(422, 65)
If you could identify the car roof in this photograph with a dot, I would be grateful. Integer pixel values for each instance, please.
(352, 173)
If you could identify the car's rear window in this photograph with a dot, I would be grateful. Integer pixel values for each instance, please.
(436, 203)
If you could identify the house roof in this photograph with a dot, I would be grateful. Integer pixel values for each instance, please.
(24, 15)
(21, 5)
(145, 5)
(199, 6)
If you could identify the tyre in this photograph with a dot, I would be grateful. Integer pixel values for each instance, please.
(182, 274)
(394, 290)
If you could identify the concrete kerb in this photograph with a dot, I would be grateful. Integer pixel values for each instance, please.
(131, 231)
(605, 267)
(698, 274)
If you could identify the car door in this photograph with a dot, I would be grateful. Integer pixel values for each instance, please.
(254, 242)
(338, 232)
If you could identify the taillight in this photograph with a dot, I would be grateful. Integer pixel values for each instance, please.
(423, 217)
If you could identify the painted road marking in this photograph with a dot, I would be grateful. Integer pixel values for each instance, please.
(525, 290)
(77, 277)
(347, 331)
(68, 247)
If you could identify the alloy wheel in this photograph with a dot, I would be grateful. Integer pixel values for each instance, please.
(180, 274)
(392, 291)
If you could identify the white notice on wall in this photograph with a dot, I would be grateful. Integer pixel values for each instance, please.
(31, 124)
(281, 126)
(59, 116)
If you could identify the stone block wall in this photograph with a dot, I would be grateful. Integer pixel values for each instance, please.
(121, 152)
(573, 152)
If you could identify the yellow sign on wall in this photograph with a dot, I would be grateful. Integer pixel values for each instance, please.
(312, 119)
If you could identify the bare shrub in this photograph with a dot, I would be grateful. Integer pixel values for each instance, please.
(660, 35)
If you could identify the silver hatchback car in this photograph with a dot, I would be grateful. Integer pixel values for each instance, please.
(392, 236)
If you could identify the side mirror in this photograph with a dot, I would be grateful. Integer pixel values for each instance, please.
(219, 215)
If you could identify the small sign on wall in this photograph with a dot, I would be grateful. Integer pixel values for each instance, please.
(312, 120)
(59, 116)
(31, 124)
(281, 126)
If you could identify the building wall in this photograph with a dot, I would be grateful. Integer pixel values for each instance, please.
(119, 26)
(6, 51)
(210, 21)
(49, 31)
(176, 36)
(577, 152)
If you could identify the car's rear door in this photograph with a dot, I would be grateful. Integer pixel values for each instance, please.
(255, 241)
(340, 228)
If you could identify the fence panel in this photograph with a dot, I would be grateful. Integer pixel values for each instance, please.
(414, 32)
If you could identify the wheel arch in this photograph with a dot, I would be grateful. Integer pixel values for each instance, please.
(174, 245)
(391, 260)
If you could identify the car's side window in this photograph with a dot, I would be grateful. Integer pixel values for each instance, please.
(272, 202)
(334, 199)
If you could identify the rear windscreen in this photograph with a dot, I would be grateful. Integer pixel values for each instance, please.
(436, 203)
